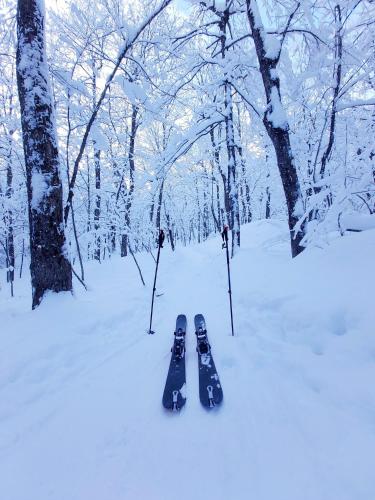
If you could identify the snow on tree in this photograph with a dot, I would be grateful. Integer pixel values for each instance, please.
(49, 265)
(268, 53)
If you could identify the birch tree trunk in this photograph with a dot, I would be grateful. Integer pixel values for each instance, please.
(49, 265)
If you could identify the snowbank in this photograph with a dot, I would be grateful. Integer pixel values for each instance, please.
(357, 222)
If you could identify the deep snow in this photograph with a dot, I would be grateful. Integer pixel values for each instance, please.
(81, 382)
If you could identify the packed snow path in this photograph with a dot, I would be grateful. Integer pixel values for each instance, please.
(81, 382)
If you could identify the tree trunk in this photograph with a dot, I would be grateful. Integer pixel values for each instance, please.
(217, 224)
(199, 215)
(129, 197)
(169, 228)
(9, 216)
(88, 227)
(337, 76)
(277, 127)
(268, 189)
(49, 265)
(112, 237)
(158, 210)
(124, 245)
(219, 209)
(98, 199)
(232, 189)
(244, 185)
(268, 199)
(216, 155)
(97, 152)
(245, 190)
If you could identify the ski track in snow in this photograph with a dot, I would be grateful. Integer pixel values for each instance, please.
(81, 382)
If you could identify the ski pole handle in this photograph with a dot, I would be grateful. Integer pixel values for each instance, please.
(224, 236)
(161, 238)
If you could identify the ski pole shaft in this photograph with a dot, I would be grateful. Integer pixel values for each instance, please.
(153, 292)
(160, 245)
(230, 293)
(224, 235)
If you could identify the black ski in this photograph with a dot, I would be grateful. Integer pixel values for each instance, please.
(174, 391)
(210, 390)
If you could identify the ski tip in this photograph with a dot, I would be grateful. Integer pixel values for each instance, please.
(199, 321)
(181, 322)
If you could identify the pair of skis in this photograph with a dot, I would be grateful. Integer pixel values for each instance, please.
(210, 390)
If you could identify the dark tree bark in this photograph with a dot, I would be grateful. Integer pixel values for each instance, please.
(332, 126)
(88, 227)
(216, 218)
(268, 199)
(97, 153)
(206, 228)
(224, 11)
(98, 200)
(129, 196)
(9, 216)
(338, 71)
(268, 190)
(169, 228)
(277, 128)
(216, 155)
(49, 265)
(158, 209)
(152, 208)
(112, 237)
(219, 209)
(232, 190)
(245, 190)
(244, 185)
(206, 221)
(199, 215)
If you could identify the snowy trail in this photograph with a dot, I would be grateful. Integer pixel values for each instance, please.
(81, 382)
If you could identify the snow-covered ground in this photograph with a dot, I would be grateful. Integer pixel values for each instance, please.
(81, 382)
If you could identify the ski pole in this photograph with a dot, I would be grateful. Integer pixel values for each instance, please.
(160, 245)
(224, 235)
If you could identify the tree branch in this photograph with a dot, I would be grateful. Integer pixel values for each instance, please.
(120, 57)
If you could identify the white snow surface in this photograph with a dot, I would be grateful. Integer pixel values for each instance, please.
(361, 222)
(81, 382)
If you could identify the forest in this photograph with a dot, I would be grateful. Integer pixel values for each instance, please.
(182, 115)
